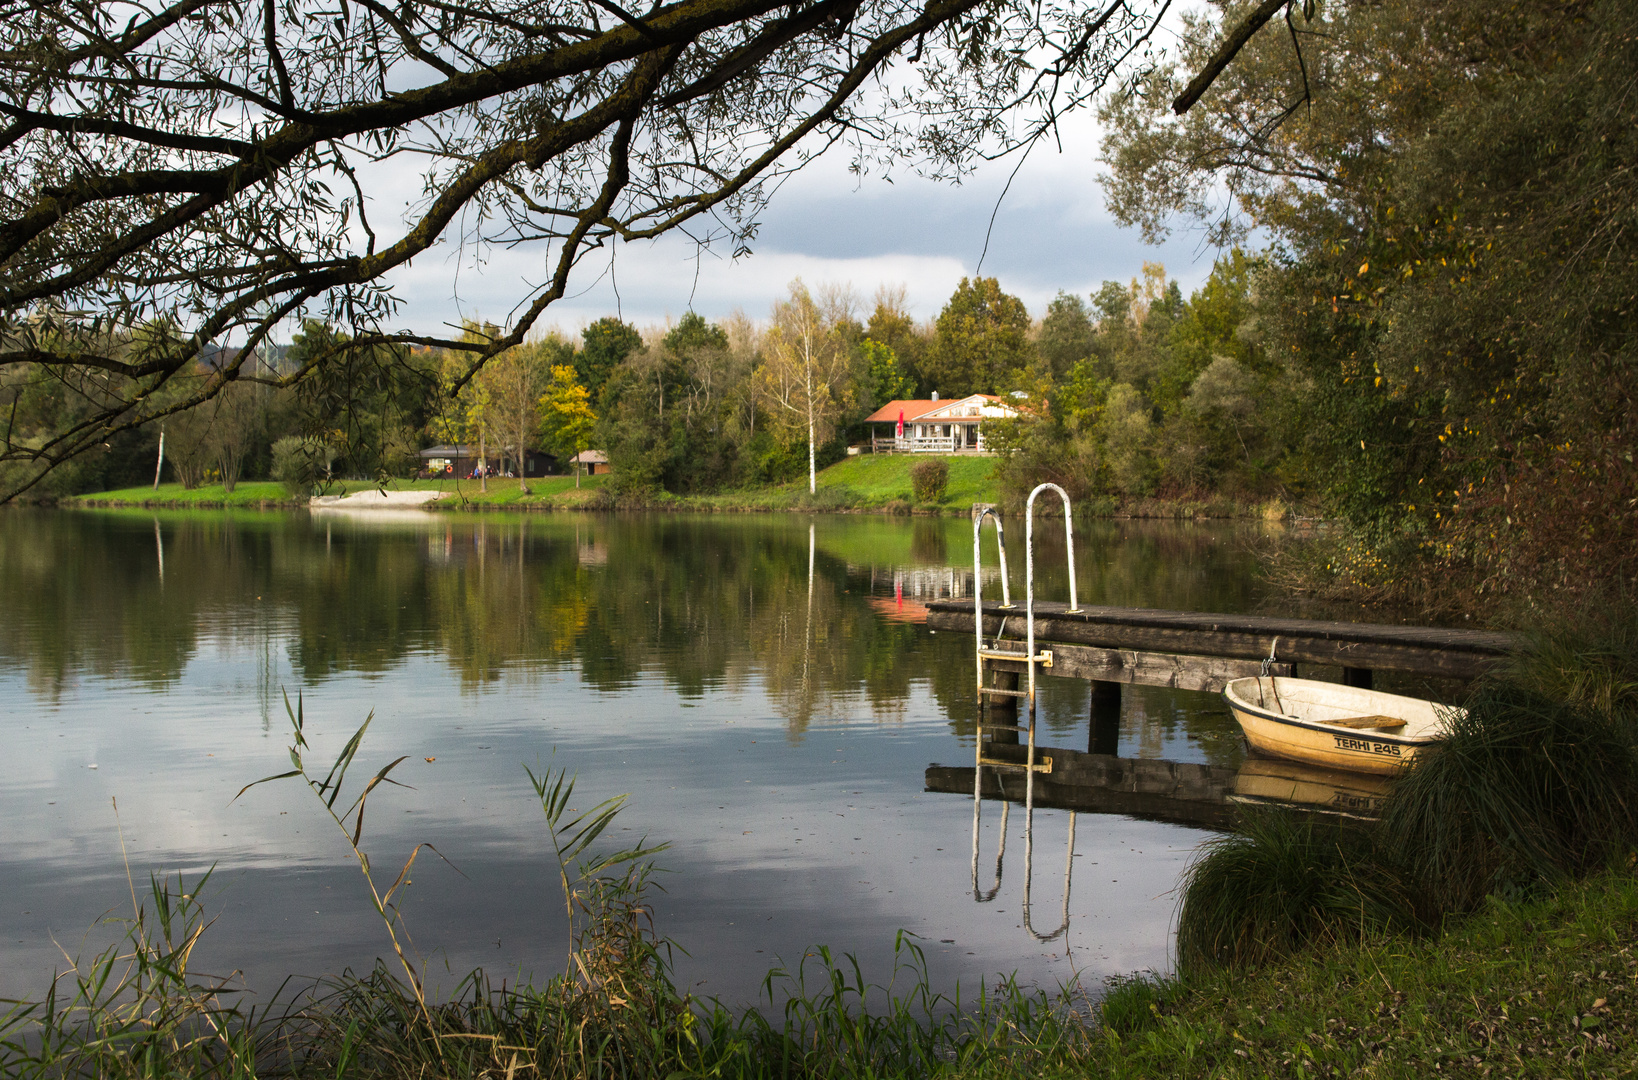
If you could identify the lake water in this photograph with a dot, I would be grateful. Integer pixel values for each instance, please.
(757, 683)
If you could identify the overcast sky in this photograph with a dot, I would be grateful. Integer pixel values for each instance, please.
(1052, 232)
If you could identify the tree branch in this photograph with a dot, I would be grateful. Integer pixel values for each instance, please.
(1226, 52)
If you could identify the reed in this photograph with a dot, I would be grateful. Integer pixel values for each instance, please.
(138, 1008)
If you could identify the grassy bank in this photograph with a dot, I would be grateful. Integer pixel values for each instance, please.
(1547, 988)
(865, 484)
(250, 494)
(856, 484)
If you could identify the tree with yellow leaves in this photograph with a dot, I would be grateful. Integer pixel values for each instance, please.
(567, 416)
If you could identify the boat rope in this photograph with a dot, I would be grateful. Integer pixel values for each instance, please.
(1268, 663)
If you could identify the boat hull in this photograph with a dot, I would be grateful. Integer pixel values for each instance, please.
(1285, 718)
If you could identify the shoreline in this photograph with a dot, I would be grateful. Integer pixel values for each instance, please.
(1146, 510)
(859, 485)
(597, 499)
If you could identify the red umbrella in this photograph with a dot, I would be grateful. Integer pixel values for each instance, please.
(900, 433)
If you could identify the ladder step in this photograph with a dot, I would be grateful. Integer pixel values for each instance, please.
(1002, 727)
(1043, 766)
(1043, 657)
(1004, 693)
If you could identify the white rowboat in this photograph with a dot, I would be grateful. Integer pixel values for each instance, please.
(1338, 727)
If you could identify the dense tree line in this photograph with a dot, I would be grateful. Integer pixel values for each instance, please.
(1452, 193)
(1131, 391)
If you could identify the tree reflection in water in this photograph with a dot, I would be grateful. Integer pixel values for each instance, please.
(703, 603)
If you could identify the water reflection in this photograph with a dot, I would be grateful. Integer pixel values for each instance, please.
(1270, 781)
(1193, 794)
(738, 674)
(984, 896)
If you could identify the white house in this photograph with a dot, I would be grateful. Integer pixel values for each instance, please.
(936, 427)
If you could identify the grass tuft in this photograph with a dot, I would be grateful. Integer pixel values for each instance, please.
(1133, 1002)
(1524, 791)
(1283, 881)
(1591, 662)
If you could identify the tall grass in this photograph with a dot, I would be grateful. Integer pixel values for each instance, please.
(138, 1008)
(1590, 662)
(1523, 792)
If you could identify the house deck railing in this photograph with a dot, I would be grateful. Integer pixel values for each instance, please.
(926, 444)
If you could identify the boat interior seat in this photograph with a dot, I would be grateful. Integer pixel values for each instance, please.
(1367, 722)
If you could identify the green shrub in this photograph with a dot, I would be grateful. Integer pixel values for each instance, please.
(302, 464)
(929, 479)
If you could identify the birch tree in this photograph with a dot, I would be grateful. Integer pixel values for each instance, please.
(805, 382)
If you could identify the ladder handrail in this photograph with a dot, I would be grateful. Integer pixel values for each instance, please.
(1030, 659)
(1029, 619)
(1029, 871)
(978, 586)
(979, 515)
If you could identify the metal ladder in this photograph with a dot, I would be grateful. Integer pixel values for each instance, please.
(1031, 660)
(1029, 656)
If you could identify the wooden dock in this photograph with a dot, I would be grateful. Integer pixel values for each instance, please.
(1203, 651)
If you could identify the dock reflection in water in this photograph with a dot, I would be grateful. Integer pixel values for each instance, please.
(1177, 792)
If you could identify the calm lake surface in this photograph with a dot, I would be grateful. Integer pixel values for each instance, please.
(757, 683)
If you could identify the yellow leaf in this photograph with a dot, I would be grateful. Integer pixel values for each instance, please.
(1363, 267)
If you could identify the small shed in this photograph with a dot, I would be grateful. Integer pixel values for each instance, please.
(537, 463)
(592, 462)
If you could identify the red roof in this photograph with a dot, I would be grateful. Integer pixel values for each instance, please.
(889, 413)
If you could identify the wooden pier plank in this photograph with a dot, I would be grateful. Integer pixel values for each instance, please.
(1181, 672)
(1448, 652)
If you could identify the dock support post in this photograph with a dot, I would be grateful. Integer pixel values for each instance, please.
(1104, 737)
(1359, 678)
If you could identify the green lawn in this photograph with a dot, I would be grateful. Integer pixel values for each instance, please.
(245, 494)
(502, 492)
(1547, 988)
(881, 478)
(868, 482)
